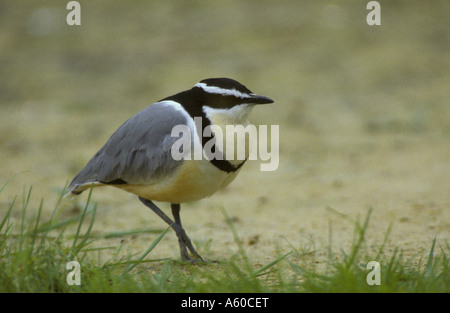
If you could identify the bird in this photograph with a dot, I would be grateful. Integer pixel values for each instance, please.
(139, 156)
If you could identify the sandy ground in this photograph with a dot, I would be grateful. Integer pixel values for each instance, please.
(363, 114)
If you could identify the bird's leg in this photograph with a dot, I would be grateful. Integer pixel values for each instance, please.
(183, 239)
(176, 215)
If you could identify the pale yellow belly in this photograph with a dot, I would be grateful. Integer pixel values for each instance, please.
(194, 180)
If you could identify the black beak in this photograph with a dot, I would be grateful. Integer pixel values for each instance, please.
(255, 99)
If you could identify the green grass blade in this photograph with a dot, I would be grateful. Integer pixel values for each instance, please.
(361, 231)
(48, 225)
(82, 216)
(33, 238)
(8, 213)
(383, 245)
(152, 246)
(116, 234)
(82, 244)
(429, 266)
(307, 274)
(269, 265)
(26, 201)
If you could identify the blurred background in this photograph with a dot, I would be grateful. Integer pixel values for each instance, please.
(363, 110)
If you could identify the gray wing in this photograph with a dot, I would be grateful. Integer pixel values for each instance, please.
(138, 152)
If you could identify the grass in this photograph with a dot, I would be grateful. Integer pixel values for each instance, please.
(34, 254)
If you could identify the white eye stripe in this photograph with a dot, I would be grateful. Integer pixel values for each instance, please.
(222, 91)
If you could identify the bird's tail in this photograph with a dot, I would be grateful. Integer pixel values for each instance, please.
(75, 189)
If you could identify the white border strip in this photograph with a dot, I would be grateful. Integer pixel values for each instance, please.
(222, 91)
